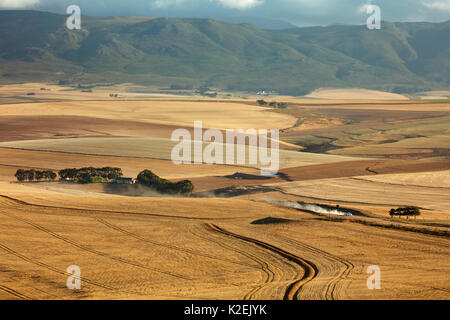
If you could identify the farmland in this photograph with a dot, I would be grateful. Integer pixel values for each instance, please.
(233, 238)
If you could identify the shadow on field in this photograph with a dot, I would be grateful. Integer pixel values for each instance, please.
(135, 190)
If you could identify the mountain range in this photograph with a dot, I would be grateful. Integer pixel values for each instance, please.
(191, 53)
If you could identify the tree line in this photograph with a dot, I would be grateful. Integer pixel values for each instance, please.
(107, 173)
(34, 175)
(93, 175)
(406, 211)
(82, 175)
(151, 180)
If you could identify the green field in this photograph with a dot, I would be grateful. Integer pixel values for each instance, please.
(380, 139)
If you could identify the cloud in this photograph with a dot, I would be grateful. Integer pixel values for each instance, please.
(17, 4)
(440, 5)
(233, 4)
(168, 3)
(299, 12)
(240, 4)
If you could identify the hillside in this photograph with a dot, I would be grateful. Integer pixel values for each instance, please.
(189, 53)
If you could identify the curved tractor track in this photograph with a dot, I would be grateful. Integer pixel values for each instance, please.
(264, 264)
(310, 269)
(331, 290)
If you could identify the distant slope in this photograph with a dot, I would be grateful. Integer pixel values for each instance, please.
(402, 57)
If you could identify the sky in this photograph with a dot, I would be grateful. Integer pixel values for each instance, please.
(298, 12)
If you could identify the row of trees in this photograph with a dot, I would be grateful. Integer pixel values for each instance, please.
(34, 175)
(406, 211)
(151, 180)
(88, 173)
(83, 175)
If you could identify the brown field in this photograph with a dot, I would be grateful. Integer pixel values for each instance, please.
(227, 241)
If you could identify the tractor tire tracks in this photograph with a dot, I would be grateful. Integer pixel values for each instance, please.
(93, 251)
(331, 290)
(310, 269)
(263, 265)
(165, 245)
(14, 293)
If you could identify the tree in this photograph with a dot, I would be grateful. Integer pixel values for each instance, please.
(405, 211)
(49, 175)
(20, 175)
(114, 173)
(392, 213)
(185, 187)
(81, 174)
(68, 174)
(39, 175)
(30, 175)
(84, 179)
(151, 180)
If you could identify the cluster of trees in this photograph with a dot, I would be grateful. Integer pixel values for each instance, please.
(151, 180)
(273, 104)
(406, 211)
(34, 175)
(90, 174)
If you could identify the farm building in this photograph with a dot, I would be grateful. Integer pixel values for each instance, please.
(125, 181)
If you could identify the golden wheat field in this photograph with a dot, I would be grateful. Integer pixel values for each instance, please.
(239, 236)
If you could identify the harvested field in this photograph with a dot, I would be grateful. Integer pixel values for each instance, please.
(364, 191)
(155, 149)
(224, 115)
(175, 245)
(231, 244)
(439, 179)
(355, 93)
(13, 159)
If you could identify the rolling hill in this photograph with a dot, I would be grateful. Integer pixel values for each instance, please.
(189, 53)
